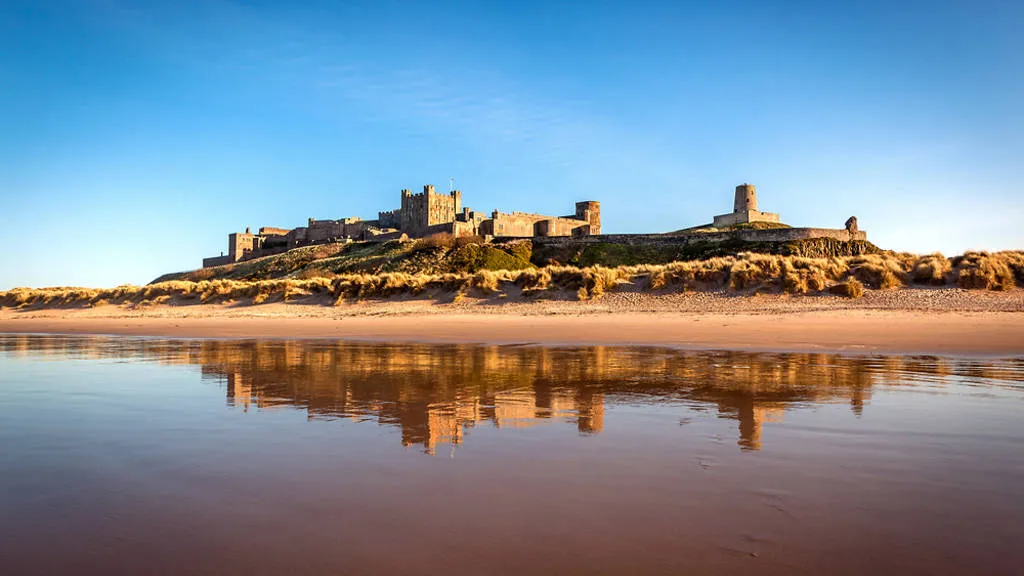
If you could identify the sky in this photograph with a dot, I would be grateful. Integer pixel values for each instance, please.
(134, 136)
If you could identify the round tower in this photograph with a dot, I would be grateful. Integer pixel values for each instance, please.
(746, 198)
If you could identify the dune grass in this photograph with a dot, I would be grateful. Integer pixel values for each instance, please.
(748, 272)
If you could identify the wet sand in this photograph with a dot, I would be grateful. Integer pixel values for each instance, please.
(841, 331)
(152, 456)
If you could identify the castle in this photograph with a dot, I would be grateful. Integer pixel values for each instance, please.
(431, 212)
(744, 209)
(420, 215)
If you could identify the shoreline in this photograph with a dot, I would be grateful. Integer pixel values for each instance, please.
(842, 331)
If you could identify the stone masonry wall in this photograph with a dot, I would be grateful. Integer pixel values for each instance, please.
(323, 230)
(771, 235)
(271, 231)
(217, 261)
(389, 219)
(558, 226)
(518, 224)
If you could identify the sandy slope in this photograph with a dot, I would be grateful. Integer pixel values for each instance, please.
(940, 321)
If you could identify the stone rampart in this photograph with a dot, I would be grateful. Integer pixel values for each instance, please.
(462, 228)
(324, 230)
(743, 235)
(529, 224)
(389, 219)
(734, 218)
(558, 226)
(217, 261)
(271, 231)
(514, 223)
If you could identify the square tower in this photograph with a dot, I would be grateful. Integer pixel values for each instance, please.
(590, 211)
(422, 211)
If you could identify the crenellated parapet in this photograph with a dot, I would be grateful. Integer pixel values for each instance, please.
(420, 214)
(389, 218)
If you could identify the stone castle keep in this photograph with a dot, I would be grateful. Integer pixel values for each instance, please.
(420, 215)
(431, 212)
(744, 209)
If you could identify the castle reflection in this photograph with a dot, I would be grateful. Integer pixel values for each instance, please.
(435, 393)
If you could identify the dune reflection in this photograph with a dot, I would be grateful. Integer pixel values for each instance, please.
(435, 393)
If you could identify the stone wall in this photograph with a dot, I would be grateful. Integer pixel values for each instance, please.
(516, 224)
(558, 226)
(217, 261)
(389, 219)
(462, 229)
(750, 235)
(271, 231)
(324, 230)
(529, 224)
(358, 228)
(297, 237)
(734, 218)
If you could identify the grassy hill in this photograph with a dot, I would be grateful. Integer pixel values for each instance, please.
(435, 255)
(442, 254)
(710, 228)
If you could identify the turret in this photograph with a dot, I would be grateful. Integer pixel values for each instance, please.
(746, 198)
(590, 211)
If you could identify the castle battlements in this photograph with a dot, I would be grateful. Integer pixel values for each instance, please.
(430, 212)
(526, 214)
(421, 214)
(429, 190)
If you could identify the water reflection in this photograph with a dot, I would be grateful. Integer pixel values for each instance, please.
(435, 393)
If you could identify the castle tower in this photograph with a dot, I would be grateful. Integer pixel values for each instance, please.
(420, 214)
(591, 212)
(746, 198)
(744, 209)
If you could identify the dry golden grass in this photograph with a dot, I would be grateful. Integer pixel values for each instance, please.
(852, 288)
(880, 271)
(199, 275)
(314, 272)
(932, 269)
(755, 271)
(743, 273)
(981, 270)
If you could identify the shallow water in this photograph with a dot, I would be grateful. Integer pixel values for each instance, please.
(137, 455)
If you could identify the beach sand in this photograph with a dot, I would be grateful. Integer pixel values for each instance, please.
(925, 321)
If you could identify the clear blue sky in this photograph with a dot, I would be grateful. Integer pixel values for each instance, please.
(135, 135)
